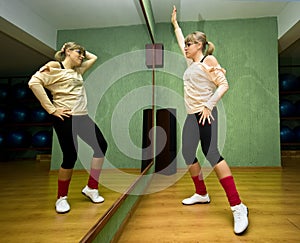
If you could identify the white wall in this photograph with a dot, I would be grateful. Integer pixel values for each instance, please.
(21, 16)
(288, 17)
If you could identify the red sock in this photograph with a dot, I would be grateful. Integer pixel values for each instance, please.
(94, 178)
(199, 185)
(63, 188)
(230, 189)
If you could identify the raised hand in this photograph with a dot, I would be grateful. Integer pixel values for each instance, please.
(174, 15)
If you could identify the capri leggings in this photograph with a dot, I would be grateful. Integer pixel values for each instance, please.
(193, 132)
(84, 127)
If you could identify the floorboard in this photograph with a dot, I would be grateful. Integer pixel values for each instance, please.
(28, 195)
(272, 195)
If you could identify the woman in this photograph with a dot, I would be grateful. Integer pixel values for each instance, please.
(204, 85)
(63, 78)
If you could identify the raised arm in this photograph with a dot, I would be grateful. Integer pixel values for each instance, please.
(90, 60)
(178, 32)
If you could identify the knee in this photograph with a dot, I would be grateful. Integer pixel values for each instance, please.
(69, 161)
(189, 157)
(213, 157)
(104, 147)
(100, 152)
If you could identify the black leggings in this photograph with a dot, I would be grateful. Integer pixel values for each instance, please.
(84, 127)
(208, 136)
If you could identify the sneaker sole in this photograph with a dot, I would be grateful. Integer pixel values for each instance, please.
(62, 212)
(244, 231)
(195, 203)
(91, 199)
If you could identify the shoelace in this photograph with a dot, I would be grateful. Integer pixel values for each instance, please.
(237, 214)
(94, 194)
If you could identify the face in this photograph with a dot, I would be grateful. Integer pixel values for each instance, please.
(192, 49)
(76, 56)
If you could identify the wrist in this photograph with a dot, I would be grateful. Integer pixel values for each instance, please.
(175, 24)
(89, 55)
(176, 27)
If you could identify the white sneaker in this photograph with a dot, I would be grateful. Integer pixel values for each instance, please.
(196, 198)
(92, 194)
(62, 205)
(240, 215)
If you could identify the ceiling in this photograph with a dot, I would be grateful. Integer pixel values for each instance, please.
(22, 59)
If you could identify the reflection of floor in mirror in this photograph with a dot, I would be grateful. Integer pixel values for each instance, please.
(28, 194)
(271, 194)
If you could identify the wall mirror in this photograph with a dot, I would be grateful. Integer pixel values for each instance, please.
(119, 89)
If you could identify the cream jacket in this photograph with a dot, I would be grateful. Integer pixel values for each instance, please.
(204, 85)
(66, 87)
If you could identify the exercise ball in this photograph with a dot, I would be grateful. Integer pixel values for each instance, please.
(20, 91)
(42, 139)
(296, 131)
(3, 115)
(2, 140)
(18, 139)
(20, 114)
(3, 92)
(287, 108)
(287, 82)
(39, 114)
(286, 134)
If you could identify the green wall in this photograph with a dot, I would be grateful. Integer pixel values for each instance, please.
(249, 111)
(120, 83)
(118, 88)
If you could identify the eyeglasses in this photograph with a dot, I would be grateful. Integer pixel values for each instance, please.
(80, 52)
(188, 44)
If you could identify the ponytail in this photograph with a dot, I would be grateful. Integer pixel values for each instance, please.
(60, 56)
(210, 48)
(197, 36)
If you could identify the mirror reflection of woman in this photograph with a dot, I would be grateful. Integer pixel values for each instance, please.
(204, 85)
(63, 78)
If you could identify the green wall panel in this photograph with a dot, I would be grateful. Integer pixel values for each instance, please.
(247, 49)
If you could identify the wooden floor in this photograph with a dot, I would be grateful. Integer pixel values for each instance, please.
(272, 196)
(28, 194)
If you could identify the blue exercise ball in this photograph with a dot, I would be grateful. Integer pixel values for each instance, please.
(42, 139)
(39, 114)
(296, 131)
(4, 91)
(287, 108)
(20, 91)
(20, 114)
(286, 134)
(287, 82)
(18, 139)
(2, 139)
(3, 115)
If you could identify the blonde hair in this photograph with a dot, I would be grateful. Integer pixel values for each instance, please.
(61, 54)
(197, 37)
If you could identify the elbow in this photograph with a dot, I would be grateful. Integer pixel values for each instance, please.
(95, 57)
(30, 84)
(33, 81)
